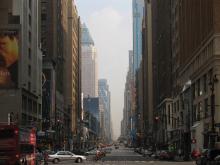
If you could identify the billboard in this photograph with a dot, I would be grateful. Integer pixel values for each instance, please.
(9, 54)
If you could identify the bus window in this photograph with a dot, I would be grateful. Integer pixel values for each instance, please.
(6, 133)
(26, 148)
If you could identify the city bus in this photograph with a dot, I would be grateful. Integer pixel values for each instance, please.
(17, 145)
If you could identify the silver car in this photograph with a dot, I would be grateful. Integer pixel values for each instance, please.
(65, 155)
(92, 152)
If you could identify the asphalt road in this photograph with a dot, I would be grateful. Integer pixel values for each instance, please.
(125, 156)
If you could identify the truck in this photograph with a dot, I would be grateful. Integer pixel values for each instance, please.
(17, 145)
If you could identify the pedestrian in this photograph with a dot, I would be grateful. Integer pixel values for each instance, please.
(179, 152)
(39, 156)
(45, 155)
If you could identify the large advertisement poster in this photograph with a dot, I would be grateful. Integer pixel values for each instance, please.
(9, 54)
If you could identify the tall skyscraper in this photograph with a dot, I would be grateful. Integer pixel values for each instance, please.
(138, 10)
(73, 71)
(60, 38)
(89, 64)
(91, 106)
(147, 66)
(104, 101)
(127, 129)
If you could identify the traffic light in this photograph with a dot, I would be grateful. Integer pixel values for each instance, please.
(193, 141)
(157, 118)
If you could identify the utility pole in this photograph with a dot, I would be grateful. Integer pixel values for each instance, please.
(212, 136)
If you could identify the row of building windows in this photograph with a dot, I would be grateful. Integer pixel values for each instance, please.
(200, 87)
(201, 110)
(30, 106)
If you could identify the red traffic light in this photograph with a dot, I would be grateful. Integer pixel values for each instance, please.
(157, 118)
(194, 141)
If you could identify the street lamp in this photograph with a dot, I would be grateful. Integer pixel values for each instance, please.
(212, 82)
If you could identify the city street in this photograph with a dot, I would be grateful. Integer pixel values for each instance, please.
(126, 156)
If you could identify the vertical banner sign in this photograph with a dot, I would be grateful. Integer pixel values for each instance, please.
(9, 54)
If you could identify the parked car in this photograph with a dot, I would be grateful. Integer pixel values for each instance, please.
(138, 150)
(166, 155)
(156, 154)
(96, 152)
(116, 147)
(79, 151)
(107, 150)
(146, 152)
(209, 156)
(65, 155)
(91, 152)
(202, 159)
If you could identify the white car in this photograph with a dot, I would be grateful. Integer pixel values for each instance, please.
(92, 152)
(65, 155)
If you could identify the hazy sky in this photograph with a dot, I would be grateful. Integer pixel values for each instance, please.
(110, 24)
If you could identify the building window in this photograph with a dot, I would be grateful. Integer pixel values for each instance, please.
(194, 113)
(181, 118)
(30, 108)
(39, 109)
(193, 91)
(175, 107)
(199, 110)
(206, 108)
(29, 86)
(24, 103)
(178, 106)
(29, 36)
(43, 17)
(169, 114)
(205, 83)
(29, 19)
(29, 70)
(29, 53)
(198, 88)
(34, 107)
(210, 74)
(23, 118)
(30, 4)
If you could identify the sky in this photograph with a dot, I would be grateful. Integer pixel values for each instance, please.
(110, 25)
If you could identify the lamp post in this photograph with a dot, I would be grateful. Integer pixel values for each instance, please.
(156, 120)
(213, 80)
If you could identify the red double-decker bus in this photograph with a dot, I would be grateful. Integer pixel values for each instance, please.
(17, 145)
